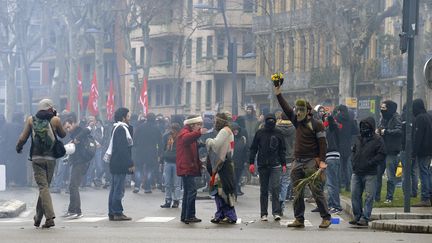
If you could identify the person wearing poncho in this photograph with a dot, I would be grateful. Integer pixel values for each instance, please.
(221, 168)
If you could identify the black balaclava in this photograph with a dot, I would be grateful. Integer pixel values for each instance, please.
(270, 121)
(390, 110)
(366, 130)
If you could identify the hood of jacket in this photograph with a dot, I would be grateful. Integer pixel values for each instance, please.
(370, 121)
(418, 107)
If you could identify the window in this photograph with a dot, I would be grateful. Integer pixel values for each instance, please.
(169, 54)
(198, 95)
(189, 9)
(329, 54)
(220, 45)
(312, 51)
(293, 5)
(220, 91)
(292, 54)
(282, 6)
(142, 55)
(209, 47)
(134, 54)
(208, 93)
(179, 92)
(248, 43)
(281, 54)
(303, 53)
(188, 94)
(168, 94)
(159, 95)
(318, 52)
(199, 49)
(248, 6)
(189, 53)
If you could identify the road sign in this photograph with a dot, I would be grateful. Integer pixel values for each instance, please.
(351, 102)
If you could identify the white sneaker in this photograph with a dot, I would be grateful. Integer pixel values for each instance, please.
(277, 217)
(264, 218)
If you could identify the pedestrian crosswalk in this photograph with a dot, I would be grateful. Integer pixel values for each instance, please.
(155, 219)
(286, 222)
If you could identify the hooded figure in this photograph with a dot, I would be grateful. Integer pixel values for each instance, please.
(251, 122)
(368, 153)
(240, 155)
(422, 149)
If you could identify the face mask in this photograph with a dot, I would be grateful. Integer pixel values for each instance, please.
(270, 123)
(301, 113)
(365, 131)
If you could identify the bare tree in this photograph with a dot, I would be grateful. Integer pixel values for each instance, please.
(352, 23)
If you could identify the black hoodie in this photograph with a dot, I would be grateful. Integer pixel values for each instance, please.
(269, 143)
(368, 152)
(422, 130)
(391, 122)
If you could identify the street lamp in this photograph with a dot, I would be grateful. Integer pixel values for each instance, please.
(232, 52)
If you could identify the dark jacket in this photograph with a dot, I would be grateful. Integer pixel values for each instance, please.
(368, 153)
(332, 134)
(169, 154)
(288, 132)
(187, 161)
(422, 130)
(82, 135)
(348, 130)
(121, 158)
(147, 144)
(240, 155)
(393, 129)
(270, 146)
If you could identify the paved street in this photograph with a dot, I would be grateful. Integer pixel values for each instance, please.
(151, 223)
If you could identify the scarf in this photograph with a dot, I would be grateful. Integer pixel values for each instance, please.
(108, 153)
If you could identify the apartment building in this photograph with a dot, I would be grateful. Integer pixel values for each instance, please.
(188, 73)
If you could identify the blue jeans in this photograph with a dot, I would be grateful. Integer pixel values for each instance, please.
(285, 187)
(270, 182)
(115, 206)
(391, 166)
(95, 170)
(333, 181)
(414, 173)
(345, 170)
(189, 197)
(360, 184)
(425, 177)
(172, 183)
(61, 177)
(380, 173)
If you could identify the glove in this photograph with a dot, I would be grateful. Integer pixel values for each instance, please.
(212, 180)
(284, 169)
(19, 149)
(252, 168)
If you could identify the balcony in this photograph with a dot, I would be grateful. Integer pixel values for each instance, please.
(298, 19)
(214, 20)
(294, 81)
(165, 30)
(162, 71)
(324, 76)
(393, 67)
(219, 66)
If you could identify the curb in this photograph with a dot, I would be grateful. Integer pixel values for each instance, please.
(11, 208)
(407, 226)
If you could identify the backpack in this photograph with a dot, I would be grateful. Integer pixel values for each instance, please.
(88, 149)
(42, 136)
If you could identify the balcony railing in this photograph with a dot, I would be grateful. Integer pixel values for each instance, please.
(213, 20)
(297, 19)
(162, 71)
(214, 65)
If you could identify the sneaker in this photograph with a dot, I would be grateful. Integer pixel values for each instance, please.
(215, 221)
(227, 220)
(69, 215)
(297, 224)
(193, 220)
(175, 204)
(325, 223)
(277, 217)
(315, 210)
(353, 222)
(48, 224)
(135, 190)
(422, 204)
(166, 205)
(264, 218)
(78, 216)
(387, 201)
(335, 211)
(362, 222)
(121, 217)
(37, 221)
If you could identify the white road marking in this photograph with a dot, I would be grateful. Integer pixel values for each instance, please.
(86, 220)
(155, 219)
(286, 222)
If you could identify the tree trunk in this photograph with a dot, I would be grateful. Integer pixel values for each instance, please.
(148, 53)
(100, 73)
(60, 67)
(25, 84)
(345, 75)
(73, 70)
(10, 98)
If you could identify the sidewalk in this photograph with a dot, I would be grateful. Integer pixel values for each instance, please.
(419, 220)
(11, 208)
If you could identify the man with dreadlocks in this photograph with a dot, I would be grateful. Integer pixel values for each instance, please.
(221, 169)
(309, 153)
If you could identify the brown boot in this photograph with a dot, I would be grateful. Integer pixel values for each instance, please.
(297, 224)
(325, 223)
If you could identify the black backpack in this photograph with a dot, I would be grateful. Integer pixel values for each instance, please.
(88, 149)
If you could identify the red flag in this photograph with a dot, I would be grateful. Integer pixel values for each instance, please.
(92, 105)
(144, 98)
(80, 89)
(110, 102)
(68, 106)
